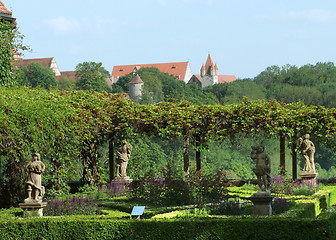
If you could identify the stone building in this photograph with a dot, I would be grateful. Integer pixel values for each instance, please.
(45, 62)
(135, 88)
(181, 70)
(209, 75)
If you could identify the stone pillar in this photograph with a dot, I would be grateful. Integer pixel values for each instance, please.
(262, 204)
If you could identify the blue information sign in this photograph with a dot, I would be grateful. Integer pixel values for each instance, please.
(137, 210)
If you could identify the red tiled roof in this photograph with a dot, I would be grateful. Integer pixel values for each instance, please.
(208, 65)
(4, 10)
(198, 76)
(226, 78)
(136, 80)
(177, 69)
(71, 75)
(46, 62)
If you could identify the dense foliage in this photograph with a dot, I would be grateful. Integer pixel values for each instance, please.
(35, 75)
(159, 86)
(67, 127)
(91, 76)
(10, 40)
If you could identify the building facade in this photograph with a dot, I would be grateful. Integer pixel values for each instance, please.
(181, 70)
(209, 75)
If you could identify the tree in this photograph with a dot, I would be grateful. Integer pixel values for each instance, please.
(328, 91)
(91, 76)
(66, 84)
(289, 94)
(152, 91)
(10, 39)
(235, 91)
(36, 75)
(122, 84)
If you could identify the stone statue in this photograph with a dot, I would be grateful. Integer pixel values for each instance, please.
(35, 189)
(263, 168)
(307, 150)
(122, 158)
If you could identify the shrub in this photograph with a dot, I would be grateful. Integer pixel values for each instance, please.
(281, 205)
(113, 189)
(199, 189)
(306, 187)
(232, 206)
(281, 185)
(71, 206)
(161, 191)
(207, 188)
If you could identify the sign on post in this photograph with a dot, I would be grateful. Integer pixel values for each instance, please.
(137, 211)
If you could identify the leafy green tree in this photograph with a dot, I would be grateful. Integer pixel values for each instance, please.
(328, 91)
(121, 86)
(36, 75)
(91, 76)
(153, 88)
(289, 94)
(66, 84)
(235, 91)
(10, 38)
(270, 75)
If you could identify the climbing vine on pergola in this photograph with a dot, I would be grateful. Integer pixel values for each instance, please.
(59, 123)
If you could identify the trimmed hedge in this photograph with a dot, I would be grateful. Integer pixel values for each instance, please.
(298, 223)
(206, 228)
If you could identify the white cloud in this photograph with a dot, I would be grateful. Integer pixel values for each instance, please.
(313, 16)
(62, 25)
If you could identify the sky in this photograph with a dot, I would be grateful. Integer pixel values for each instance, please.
(243, 37)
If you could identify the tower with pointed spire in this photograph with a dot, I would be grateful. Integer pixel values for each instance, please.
(209, 73)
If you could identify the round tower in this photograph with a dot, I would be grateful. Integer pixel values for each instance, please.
(135, 88)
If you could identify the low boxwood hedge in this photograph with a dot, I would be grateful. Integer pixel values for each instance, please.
(302, 222)
(78, 227)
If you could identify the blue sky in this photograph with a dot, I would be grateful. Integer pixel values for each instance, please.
(242, 36)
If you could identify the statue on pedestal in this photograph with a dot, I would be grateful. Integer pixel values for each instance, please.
(262, 200)
(262, 169)
(307, 150)
(122, 158)
(35, 189)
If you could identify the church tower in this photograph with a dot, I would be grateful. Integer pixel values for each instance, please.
(209, 73)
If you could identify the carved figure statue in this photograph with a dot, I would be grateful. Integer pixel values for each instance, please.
(122, 158)
(35, 189)
(263, 167)
(307, 150)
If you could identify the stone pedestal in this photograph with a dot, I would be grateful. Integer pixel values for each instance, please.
(262, 203)
(33, 208)
(119, 180)
(309, 177)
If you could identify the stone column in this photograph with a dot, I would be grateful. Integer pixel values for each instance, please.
(262, 204)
